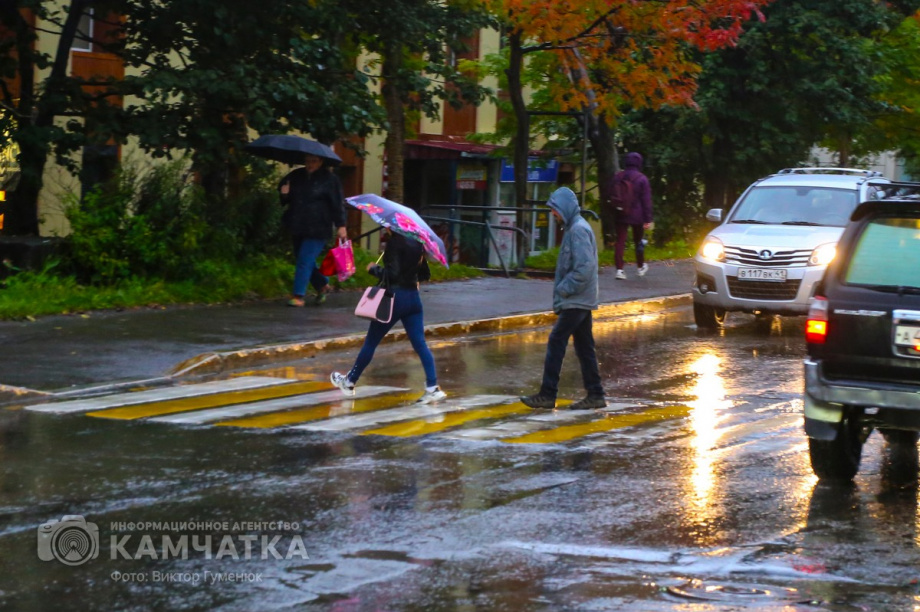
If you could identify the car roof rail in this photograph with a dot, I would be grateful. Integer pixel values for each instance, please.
(828, 170)
(901, 189)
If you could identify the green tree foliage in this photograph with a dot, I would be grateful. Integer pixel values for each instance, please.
(802, 76)
(208, 71)
(898, 126)
(417, 43)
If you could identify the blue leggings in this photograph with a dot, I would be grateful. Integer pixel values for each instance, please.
(407, 307)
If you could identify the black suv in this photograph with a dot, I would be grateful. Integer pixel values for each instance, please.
(863, 335)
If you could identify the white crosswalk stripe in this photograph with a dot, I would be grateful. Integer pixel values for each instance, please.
(531, 423)
(158, 395)
(371, 419)
(201, 417)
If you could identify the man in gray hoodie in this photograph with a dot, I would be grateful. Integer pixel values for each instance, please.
(574, 297)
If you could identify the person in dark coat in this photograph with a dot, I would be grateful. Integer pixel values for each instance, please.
(404, 265)
(315, 204)
(639, 216)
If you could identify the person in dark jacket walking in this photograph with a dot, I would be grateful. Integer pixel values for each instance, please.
(638, 216)
(574, 297)
(404, 265)
(315, 203)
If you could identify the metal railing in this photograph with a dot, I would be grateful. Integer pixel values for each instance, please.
(488, 227)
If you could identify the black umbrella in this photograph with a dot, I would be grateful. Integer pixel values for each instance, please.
(290, 149)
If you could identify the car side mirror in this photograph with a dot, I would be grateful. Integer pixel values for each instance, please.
(714, 215)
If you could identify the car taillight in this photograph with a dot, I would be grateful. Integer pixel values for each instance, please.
(816, 325)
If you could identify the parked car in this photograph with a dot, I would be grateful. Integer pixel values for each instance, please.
(863, 335)
(776, 242)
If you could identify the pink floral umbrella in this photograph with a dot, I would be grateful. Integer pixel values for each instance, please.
(403, 220)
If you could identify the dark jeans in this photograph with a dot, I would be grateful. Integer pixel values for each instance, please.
(306, 251)
(407, 307)
(638, 231)
(575, 323)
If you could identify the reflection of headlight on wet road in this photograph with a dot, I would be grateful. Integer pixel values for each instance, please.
(705, 416)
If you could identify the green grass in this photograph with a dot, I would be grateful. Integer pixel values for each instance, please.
(673, 250)
(31, 294)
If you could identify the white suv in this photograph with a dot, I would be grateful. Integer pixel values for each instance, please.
(776, 242)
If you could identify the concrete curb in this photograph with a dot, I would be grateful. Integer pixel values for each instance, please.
(218, 362)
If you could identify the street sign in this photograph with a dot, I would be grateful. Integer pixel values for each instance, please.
(538, 170)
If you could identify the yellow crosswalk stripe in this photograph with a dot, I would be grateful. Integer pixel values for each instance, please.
(422, 427)
(210, 401)
(316, 413)
(611, 421)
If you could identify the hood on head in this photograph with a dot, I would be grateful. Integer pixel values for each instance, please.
(633, 160)
(565, 202)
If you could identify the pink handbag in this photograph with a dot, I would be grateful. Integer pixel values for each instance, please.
(344, 259)
(376, 304)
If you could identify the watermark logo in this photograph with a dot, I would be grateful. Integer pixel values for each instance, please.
(71, 540)
(74, 541)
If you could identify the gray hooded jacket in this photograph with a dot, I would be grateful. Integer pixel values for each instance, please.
(576, 269)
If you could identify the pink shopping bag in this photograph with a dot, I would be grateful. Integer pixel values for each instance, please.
(344, 259)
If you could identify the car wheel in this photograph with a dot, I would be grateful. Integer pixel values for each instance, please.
(838, 459)
(708, 317)
(900, 437)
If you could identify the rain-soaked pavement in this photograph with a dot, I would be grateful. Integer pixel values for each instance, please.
(692, 492)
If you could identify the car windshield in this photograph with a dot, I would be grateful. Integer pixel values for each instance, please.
(886, 254)
(796, 206)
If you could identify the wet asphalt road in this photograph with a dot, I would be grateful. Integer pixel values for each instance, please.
(693, 492)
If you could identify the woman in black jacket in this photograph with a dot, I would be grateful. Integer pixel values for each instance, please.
(403, 267)
(315, 203)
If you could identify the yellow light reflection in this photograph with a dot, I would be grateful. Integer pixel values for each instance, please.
(917, 526)
(705, 417)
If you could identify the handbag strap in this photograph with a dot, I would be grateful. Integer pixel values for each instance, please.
(384, 281)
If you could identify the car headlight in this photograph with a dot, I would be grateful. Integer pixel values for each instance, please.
(823, 255)
(712, 249)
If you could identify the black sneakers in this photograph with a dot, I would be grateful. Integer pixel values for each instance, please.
(539, 400)
(588, 403)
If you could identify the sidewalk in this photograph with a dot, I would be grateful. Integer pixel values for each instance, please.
(69, 353)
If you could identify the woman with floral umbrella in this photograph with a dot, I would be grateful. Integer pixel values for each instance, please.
(402, 220)
(404, 265)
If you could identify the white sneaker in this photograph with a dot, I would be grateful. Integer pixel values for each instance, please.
(341, 381)
(641, 271)
(432, 396)
(621, 275)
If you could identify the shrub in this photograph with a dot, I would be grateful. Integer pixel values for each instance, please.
(133, 226)
(162, 225)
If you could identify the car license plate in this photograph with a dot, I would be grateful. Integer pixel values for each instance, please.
(907, 335)
(762, 274)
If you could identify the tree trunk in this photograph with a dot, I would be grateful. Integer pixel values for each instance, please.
(717, 189)
(843, 153)
(602, 138)
(522, 129)
(396, 135)
(36, 117)
(521, 138)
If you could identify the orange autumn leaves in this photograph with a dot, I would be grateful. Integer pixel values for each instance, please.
(636, 52)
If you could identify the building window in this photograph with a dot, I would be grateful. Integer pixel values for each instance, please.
(83, 41)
